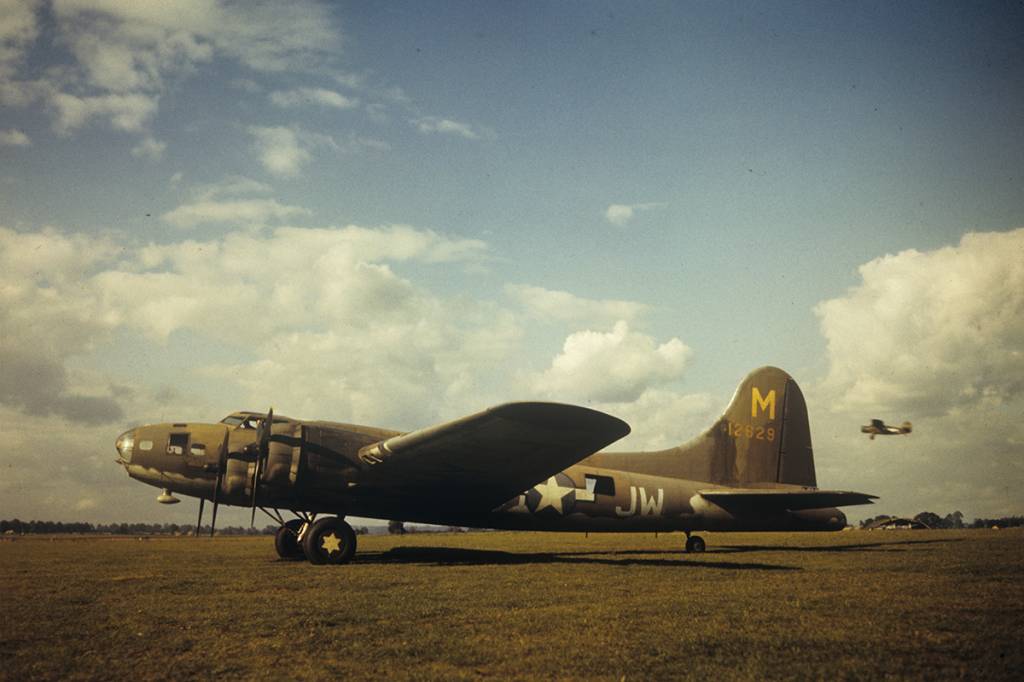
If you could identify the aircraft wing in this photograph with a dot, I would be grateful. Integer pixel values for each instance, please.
(482, 460)
(744, 500)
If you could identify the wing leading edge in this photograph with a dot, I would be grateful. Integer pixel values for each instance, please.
(482, 460)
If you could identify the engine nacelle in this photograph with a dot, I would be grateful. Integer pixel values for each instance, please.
(294, 449)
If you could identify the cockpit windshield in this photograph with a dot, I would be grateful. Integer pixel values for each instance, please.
(243, 420)
(252, 422)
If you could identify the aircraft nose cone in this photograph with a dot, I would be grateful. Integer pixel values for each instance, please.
(125, 444)
(840, 519)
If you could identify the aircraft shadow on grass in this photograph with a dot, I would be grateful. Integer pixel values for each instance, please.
(860, 547)
(449, 556)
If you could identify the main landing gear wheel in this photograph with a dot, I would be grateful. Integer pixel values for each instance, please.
(286, 542)
(695, 543)
(329, 541)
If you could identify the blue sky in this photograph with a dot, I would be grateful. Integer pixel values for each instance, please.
(399, 213)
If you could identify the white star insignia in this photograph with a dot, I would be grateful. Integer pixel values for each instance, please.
(551, 495)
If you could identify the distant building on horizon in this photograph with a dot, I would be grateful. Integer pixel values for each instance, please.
(897, 523)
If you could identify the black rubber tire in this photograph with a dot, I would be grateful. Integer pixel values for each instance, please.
(329, 541)
(286, 542)
(695, 544)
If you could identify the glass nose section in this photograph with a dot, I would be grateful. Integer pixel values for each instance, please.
(125, 444)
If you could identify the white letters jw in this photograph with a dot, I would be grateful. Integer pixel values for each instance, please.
(649, 506)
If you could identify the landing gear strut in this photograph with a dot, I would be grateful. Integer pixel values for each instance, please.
(694, 543)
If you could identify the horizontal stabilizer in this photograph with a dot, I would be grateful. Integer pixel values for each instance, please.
(759, 499)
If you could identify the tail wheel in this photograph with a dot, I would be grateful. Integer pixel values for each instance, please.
(286, 542)
(329, 541)
(695, 543)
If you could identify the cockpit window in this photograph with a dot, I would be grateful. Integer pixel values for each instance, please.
(231, 421)
(251, 422)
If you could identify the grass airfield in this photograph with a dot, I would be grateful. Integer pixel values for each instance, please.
(867, 605)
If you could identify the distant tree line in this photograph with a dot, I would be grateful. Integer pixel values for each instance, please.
(954, 520)
(1002, 522)
(20, 527)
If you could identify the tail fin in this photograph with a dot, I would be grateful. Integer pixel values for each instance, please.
(763, 437)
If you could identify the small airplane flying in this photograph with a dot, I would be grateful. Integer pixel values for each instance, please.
(517, 466)
(878, 428)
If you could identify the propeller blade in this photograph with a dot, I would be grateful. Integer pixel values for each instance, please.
(199, 522)
(263, 437)
(255, 481)
(263, 432)
(216, 495)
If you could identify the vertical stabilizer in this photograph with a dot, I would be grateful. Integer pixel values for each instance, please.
(763, 437)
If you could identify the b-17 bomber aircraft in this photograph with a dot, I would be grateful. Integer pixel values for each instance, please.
(879, 428)
(518, 466)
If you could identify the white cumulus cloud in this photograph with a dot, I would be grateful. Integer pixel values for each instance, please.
(446, 126)
(932, 330)
(300, 97)
(46, 319)
(149, 148)
(621, 214)
(339, 334)
(662, 418)
(127, 112)
(549, 304)
(235, 212)
(113, 60)
(937, 338)
(232, 185)
(14, 138)
(280, 150)
(18, 30)
(609, 367)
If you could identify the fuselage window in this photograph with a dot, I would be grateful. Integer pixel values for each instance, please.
(600, 485)
(198, 450)
(177, 443)
(145, 445)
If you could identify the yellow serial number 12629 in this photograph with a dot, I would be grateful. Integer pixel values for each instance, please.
(748, 431)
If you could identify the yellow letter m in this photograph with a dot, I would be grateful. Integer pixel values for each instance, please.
(765, 403)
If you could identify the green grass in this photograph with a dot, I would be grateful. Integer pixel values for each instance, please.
(863, 605)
